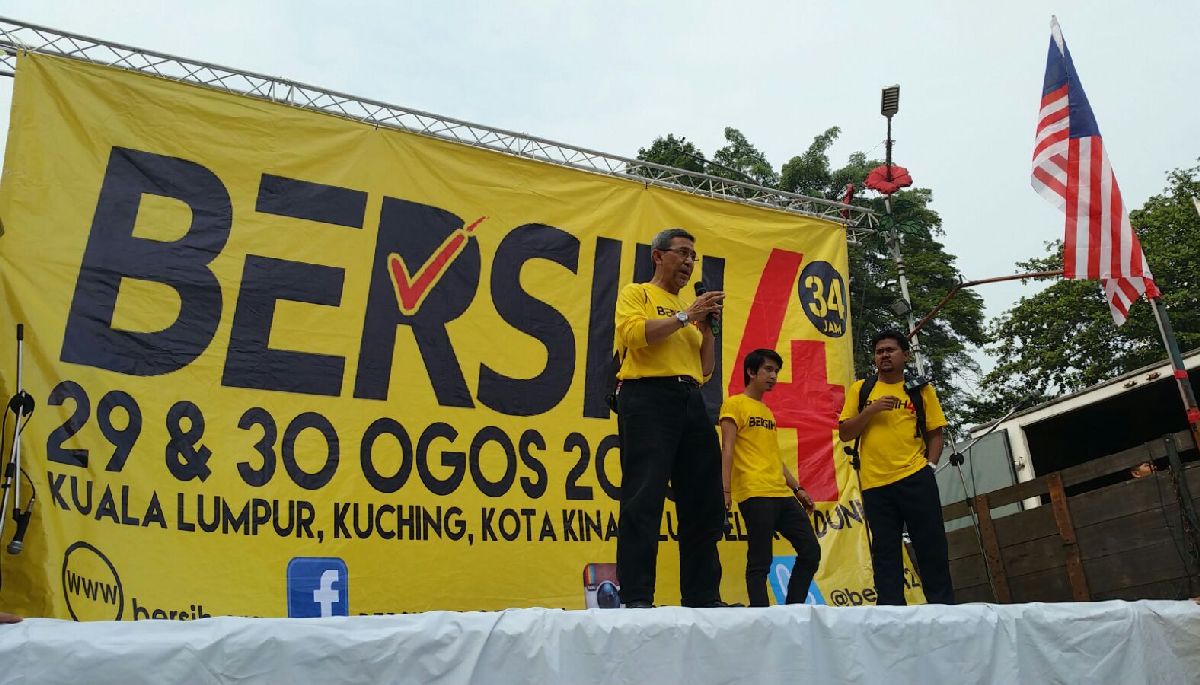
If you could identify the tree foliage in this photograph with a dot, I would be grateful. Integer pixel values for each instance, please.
(739, 160)
(873, 274)
(1063, 339)
(673, 152)
(808, 173)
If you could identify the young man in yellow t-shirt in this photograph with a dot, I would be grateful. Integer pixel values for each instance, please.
(768, 495)
(898, 486)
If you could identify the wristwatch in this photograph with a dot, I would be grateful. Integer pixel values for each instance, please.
(682, 318)
(796, 490)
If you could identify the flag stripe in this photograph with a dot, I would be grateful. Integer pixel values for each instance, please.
(1096, 242)
(1071, 241)
(1053, 184)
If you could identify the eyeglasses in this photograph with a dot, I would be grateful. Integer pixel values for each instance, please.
(685, 254)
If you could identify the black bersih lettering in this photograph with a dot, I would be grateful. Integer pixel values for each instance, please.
(113, 253)
(318, 202)
(713, 274)
(537, 395)
(251, 362)
(760, 422)
(414, 232)
(606, 273)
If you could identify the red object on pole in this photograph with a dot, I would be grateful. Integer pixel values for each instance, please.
(847, 196)
(888, 180)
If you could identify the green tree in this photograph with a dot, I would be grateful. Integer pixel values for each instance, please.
(739, 160)
(1063, 339)
(673, 152)
(809, 174)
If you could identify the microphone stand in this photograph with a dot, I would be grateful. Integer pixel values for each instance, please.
(22, 406)
(957, 459)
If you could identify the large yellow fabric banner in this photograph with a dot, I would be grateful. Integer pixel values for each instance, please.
(290, 364)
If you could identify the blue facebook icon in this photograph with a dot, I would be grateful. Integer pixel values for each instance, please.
(317, 587)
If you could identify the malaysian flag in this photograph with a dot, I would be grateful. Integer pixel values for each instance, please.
(1071, 170)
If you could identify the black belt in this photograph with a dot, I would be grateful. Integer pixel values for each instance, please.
(661, 380)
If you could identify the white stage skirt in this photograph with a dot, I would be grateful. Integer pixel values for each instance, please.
(1105, 642)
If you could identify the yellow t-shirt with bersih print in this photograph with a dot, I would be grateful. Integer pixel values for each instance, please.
(757, 467)
(890, 449)
(677, 355)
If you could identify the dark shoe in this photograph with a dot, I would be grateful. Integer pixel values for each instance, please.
(638, 605)
(721, 605)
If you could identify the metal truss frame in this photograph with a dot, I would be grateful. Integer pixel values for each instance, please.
(16, 36)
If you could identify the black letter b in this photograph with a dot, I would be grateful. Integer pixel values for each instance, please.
(114, 253)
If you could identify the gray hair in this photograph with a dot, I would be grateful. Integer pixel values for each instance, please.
(662, 241)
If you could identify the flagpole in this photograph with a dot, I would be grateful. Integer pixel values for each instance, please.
(1178, 369)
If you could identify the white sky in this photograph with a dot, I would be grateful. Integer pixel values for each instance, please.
(614, 75)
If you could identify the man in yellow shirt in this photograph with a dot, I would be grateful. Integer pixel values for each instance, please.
(898, 486)
(667, 352)
(768, 495)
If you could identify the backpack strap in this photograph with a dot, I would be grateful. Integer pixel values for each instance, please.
(914, 396)
(864, 391)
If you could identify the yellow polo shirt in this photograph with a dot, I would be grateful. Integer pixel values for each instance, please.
(676, 355)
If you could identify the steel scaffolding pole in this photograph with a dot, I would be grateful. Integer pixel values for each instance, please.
(17, 36)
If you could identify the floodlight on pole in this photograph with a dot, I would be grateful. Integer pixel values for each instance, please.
(889, 102)
(889, 105)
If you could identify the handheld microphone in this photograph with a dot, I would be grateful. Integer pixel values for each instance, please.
(714, 324)
(22, 520)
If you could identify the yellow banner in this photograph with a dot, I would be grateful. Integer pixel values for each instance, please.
(289, 364)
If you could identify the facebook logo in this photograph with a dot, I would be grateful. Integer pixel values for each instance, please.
(317, 587)
(781, 574)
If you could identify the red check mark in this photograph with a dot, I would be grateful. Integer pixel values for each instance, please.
(411, 289)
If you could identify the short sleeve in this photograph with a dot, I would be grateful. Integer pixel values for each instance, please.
(934, 417)
(731, 409)
(631, 317)
(850, 407)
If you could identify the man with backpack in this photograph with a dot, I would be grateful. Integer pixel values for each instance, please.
(897, 423)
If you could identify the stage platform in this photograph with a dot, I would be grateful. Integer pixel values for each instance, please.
(1106, 642)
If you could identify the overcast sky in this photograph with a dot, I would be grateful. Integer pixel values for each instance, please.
(614, 75)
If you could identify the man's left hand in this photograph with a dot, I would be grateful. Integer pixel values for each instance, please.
(804, 499)
(705, 326)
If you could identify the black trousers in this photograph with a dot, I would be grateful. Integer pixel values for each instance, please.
(667, 436)
(911, 502)
(763, 516)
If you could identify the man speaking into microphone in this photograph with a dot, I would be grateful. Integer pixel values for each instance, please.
(668, 351)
